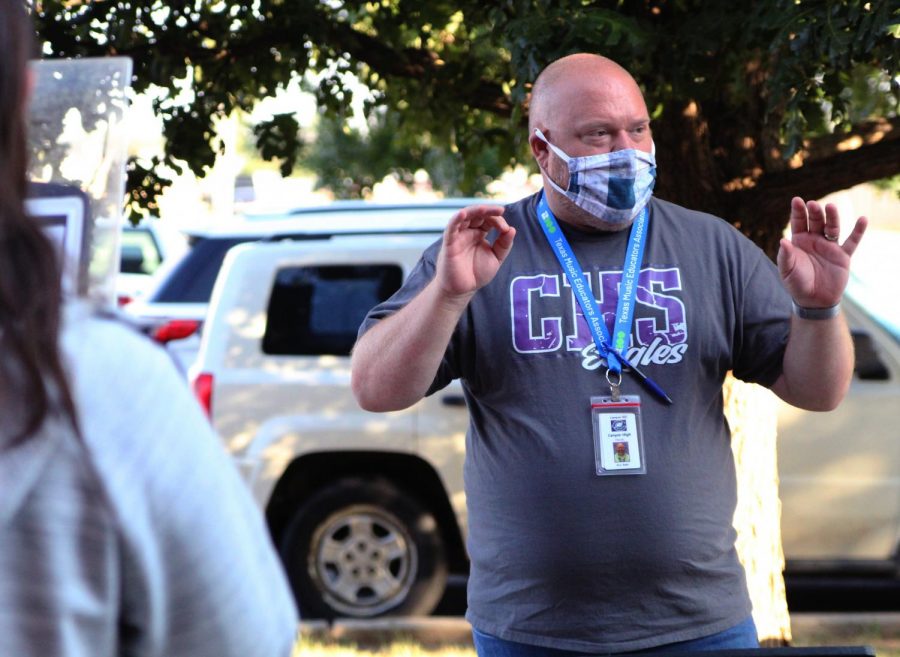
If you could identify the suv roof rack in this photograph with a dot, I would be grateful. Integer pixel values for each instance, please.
(300, 236)
(349, 218)
(367, 206)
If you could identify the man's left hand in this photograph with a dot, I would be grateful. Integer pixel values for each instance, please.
(814, 265)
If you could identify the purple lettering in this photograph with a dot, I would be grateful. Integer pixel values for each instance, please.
(672, 326)
(524, 318)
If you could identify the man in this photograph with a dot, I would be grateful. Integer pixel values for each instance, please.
(573, 318)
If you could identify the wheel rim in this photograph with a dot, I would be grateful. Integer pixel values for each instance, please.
(363, 561)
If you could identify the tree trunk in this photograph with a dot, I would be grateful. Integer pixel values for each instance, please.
(751, 413)
(690, 175)
(687, 173)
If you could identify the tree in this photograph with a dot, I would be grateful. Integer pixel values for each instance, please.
(752, 102)
(349, 162)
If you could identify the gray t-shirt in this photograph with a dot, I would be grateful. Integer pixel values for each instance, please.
(562, 557)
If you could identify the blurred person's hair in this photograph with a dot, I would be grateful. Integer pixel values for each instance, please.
(33, 383)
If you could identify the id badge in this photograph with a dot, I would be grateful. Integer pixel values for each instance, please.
(618, 440)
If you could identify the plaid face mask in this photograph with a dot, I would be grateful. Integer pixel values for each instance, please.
(614, 187)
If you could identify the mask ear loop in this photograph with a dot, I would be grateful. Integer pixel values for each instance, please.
(563, 156)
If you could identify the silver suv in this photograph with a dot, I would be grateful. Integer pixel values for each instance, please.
(368, 510)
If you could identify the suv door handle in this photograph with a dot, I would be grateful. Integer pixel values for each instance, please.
(453, 400)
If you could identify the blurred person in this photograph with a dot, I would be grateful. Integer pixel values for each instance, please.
(124, 526)
(569, 318)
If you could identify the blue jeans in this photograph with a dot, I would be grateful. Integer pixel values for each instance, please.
(742, 635)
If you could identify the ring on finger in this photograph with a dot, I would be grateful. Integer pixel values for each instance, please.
(830, 238)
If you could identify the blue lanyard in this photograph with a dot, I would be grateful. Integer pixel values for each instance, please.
(611, 350)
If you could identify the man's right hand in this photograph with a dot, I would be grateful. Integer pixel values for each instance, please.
(467, 261)
(395, 361)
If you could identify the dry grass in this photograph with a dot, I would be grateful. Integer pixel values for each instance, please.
(397, 648)
(885, 641)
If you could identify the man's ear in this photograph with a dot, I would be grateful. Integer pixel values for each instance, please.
(540, 150)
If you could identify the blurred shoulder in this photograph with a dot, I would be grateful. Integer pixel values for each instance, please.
(139, 420)
(94, 338)
(121, 378)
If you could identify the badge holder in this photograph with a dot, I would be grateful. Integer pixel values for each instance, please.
(618, 436)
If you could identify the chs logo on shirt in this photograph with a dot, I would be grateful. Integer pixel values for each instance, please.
(546, 316)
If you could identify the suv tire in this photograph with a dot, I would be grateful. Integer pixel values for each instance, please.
(362, 548)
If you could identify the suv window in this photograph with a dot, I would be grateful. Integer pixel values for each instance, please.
(195, 274)
(318, 310)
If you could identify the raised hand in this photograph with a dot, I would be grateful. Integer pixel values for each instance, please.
(814, 266)
(467, 261)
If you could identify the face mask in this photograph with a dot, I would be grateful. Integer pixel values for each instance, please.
(613, 187)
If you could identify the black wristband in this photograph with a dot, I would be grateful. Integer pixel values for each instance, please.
(816, 313)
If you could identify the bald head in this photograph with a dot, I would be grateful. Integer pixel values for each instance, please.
(567, 77)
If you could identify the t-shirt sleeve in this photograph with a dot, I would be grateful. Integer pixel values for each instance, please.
(421, 275)
(763, 322)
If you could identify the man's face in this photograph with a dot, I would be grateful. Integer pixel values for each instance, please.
(591, 112)
(620, 449)
(595, 115)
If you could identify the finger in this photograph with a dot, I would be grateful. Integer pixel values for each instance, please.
(458, 217)
(503, 243)
(853, 241)
(487, 209)
(785, 258)
(798, 216)
(489, 223)
(461, 221)
(832, 227)
(816, 218)
(474, 216)
(484, 216)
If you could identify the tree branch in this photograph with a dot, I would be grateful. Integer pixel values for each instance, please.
(868, 132)
(386, 61)
(410, 63)
(839, 170)
(762, 211)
